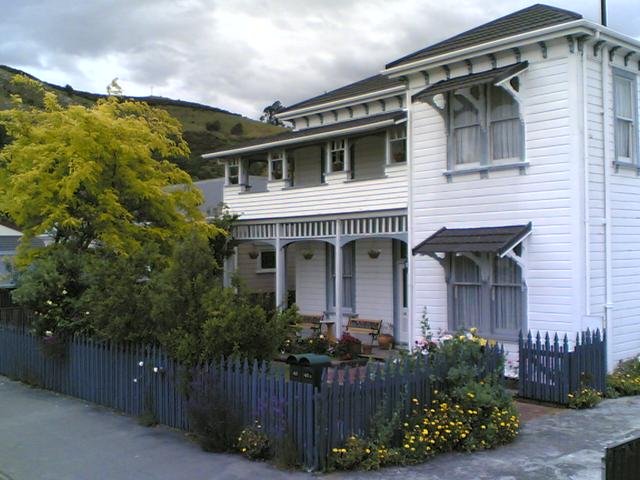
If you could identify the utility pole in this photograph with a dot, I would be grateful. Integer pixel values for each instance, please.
(603, 12)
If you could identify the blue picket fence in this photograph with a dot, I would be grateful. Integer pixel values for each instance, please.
(137, 379)
(550, 369)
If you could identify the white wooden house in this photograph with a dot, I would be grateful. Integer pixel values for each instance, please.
(492, 179)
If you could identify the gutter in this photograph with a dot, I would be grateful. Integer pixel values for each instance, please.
(295, 140)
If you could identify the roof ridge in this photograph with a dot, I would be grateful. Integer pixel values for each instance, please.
(510, 16)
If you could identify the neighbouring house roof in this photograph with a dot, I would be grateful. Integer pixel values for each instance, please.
(311, 134)
(497, 240)
(368, 85)
(526, 20)
(490, 76)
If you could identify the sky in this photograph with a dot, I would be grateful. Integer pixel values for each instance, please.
(241, 55)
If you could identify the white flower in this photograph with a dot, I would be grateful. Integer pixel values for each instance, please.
(155, 369)
(49, 302)
(135, 380)
(86, 313)
(49, 333)
(446, 337)
(141, 364)
(64, 292)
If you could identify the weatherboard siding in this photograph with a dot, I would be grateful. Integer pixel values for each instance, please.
(374, 281)
(546, 195)
(338, 195)
(310, 281)
(625, 248)
(597, 266)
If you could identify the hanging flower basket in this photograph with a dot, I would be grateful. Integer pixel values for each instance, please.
(374, 252)
(253, 255)
(307, 255)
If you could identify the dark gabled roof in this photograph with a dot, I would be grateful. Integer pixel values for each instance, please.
(526, 20)
(497, 240)
(308, 132)
(368, 85)
(490, 76)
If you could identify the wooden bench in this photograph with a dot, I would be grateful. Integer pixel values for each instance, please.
(364, 326)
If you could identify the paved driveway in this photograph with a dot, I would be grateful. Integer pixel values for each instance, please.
(48, 436)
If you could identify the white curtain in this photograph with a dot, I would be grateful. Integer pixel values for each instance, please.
(467, 132)
(467, 293)
(624, 117)
(506, 304)
(506, 135)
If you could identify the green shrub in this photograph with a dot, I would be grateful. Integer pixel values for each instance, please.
(213, 126)
(475, 413)
(586, 397)
(215, 423)
(625, 380)
(253, 443)
(237, 129)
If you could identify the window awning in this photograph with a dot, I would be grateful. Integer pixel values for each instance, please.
(493, 76)
(314, 134)
(498, 240)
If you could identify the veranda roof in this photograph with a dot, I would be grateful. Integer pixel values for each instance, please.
(313, 134)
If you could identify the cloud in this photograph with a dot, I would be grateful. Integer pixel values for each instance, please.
(239, 54)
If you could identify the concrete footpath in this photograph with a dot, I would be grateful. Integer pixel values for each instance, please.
(48, 436)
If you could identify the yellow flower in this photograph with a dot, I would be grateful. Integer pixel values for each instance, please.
(461, 337)
(473, 330)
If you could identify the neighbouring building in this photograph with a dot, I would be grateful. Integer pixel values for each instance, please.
(491, 180)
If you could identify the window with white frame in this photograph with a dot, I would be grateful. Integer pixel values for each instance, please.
(626, 117)
(484, 127)
(486, 293)
(266, 261)
(348, 277)
(276, 162)
(233, 172)
(398, 144)
(337, 153)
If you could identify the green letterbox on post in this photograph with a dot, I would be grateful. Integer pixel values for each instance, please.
(307, 368)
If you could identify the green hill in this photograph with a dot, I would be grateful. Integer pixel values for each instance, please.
(204, 128)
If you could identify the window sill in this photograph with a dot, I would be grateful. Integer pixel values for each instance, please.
(632, 167)
(485, 169)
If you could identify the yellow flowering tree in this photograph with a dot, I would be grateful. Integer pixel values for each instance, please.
(95, 176)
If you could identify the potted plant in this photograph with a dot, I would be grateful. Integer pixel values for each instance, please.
(348, 347)
(385, 339)
(307, 255)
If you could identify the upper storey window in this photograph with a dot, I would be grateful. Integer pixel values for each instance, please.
(398, 144)
(484, 127)
(626, 117)
(337, 154)
(276, 165)
(233, 172)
